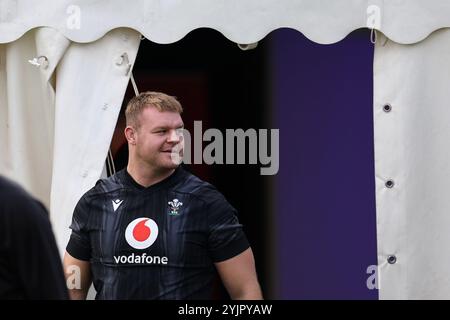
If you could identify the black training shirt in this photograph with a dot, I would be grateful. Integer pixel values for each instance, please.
(159, 242)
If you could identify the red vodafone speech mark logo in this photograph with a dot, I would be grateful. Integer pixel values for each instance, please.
(141, 233)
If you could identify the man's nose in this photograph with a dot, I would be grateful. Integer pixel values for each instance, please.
(174, 137)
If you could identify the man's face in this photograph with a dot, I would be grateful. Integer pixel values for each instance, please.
(159, 139)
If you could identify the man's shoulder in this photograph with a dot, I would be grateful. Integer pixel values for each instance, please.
(104, 186)
(200, 189)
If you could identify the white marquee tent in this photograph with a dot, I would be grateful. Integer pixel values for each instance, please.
(58, 112)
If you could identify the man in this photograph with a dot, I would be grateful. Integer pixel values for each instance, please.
(153, 230)
(30, 265)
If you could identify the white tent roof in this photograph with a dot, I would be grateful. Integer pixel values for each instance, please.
(166, 21)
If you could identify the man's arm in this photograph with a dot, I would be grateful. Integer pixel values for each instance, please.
(78, 276)
(238, 275)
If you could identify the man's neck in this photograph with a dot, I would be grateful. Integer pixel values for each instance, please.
(147, 176)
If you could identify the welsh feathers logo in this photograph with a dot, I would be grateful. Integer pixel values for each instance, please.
(175, 206)
(141, 233)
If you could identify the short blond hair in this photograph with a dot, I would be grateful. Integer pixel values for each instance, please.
(160, 101)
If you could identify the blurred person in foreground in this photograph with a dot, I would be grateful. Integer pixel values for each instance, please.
(30, 265)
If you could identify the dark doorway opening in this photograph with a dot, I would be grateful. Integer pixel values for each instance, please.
(224, 87)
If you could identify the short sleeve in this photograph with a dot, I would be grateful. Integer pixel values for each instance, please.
(226, 236)
(79, 245)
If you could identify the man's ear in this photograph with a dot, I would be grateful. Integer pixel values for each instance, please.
(130, 135)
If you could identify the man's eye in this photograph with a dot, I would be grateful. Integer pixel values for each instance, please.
(161, 131)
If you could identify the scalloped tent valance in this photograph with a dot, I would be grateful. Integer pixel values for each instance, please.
(241, 21)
